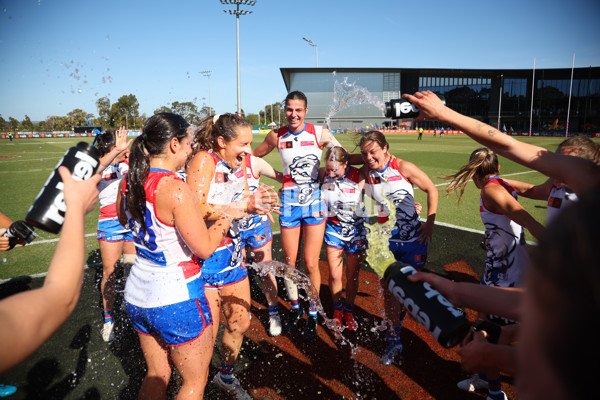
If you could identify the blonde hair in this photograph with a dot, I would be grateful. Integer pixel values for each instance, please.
(482, 162)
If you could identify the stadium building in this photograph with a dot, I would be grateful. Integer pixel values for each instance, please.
(353, 98)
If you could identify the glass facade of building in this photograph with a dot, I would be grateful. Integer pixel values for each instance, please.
(354, 97)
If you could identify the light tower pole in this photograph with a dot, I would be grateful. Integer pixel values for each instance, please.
(207, 74)
(237, 12)
(313, 44)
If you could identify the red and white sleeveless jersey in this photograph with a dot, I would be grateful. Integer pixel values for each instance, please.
(507, 256)
(300, 155)
(108, 188)
(165, 269)
(390, 184)
(343, 198)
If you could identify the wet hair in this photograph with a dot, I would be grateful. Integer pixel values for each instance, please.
(482, 162)
(296, 95)
(564, 282)
(580, 146)
(105, 141)
(213, 126)
(337, 153)
(373, 136)
(157, 133)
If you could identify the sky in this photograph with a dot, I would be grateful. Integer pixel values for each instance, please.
(56, 56)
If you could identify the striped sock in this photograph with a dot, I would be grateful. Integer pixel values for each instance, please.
(338, 305)
(273, 311)
(312, 311)
(226, 372)
(295, 305)
(494, 390)
(349, 307)
(108, 316)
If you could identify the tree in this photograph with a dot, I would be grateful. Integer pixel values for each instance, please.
(13, 123)
(78, 117)
(26, 124)
(162, 109)
(252, 118)
(3, 124)
(103, 104)
(126, 109)
(187, 110)
(58, 123)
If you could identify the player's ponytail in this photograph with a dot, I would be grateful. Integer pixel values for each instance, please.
(482, 162)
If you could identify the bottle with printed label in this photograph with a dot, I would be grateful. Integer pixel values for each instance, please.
(446, 323)
(48, 209)
(403, 109)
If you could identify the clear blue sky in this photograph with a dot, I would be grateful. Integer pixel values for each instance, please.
(56, 56)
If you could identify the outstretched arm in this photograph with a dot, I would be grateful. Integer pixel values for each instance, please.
(121, 145)
(328, 139)
(505, 302)
(577, 173)
(266, 146)
(29, 318)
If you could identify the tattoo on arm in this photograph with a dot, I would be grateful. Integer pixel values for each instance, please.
(491, 132)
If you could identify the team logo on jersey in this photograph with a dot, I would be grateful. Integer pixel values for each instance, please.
(286, 145)
(373, 180)
(554, 202)
(221, 177)
(394, 178)
(307, 143)
(331, 186)
(349, 190)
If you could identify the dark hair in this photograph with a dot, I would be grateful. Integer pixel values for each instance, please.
(105, 141)
(212, 127)
(580, 146)
(157, 133)
(373, 136)
(564, 281)
(296, 95)
(482, 162)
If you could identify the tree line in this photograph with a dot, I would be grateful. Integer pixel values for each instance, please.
(125, 112)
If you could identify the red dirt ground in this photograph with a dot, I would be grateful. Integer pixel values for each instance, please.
(286, 367)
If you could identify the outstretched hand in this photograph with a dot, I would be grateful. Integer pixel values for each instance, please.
(79, 195)
(121, 142)
(263, 201)
(429, 104)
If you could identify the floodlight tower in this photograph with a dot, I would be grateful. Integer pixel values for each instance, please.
(313, 44)
(207, 74)
(237, 12)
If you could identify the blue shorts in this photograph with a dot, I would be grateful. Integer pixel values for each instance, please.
(110, 230)
(222, 279)
(355, 244)
(294, 216)
(411, 253)
(226, 256)
(176, 324)
(257, 237)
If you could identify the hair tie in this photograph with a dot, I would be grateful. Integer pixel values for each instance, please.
(216, 118)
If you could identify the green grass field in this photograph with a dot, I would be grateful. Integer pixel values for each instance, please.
(26, 164)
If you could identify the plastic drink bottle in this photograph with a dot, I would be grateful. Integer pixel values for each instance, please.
(48, 209)
(446, 323)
